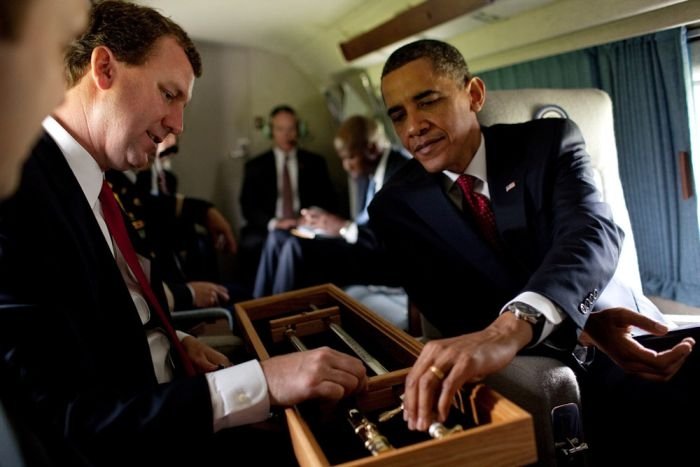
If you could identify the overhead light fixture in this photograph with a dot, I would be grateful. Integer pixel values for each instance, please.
(417, 19)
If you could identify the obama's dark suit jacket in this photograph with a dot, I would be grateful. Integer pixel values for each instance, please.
(558, 235)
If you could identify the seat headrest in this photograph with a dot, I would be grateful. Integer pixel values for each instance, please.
(591, 109)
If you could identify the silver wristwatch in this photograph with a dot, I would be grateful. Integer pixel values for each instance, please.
(527, 313)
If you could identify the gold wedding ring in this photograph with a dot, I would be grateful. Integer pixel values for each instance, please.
(437, 372)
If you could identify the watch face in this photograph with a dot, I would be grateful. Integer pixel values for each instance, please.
(525, 312)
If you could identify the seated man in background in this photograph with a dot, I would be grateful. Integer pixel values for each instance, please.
(198, 237)
(98, 353)
(159, 178)
(500, 237)
(163, 221)
(277, 185)
(342, 251)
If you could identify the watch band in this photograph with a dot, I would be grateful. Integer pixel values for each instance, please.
(520, 312)
(525, 312)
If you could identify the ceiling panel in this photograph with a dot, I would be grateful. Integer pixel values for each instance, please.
(308, 32)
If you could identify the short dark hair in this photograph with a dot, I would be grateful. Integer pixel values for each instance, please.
(283, 108)
(445, 58)
(362, 131)
(129, 31)
(12, 16)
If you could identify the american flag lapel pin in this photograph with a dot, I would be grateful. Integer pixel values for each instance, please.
(510, 186)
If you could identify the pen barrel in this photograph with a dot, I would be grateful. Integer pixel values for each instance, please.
(295, 341)
(360, 351)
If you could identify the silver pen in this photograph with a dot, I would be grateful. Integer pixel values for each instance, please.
(360, 351)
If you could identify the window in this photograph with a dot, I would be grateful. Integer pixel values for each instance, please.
(694, 52)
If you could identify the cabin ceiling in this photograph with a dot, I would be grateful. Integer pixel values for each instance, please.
(309, 32)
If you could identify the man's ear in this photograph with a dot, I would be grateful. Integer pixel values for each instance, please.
(103, 64)
(477, 93)
(371, 152)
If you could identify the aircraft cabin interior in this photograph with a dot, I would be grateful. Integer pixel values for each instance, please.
(259, 54)
(325, 58)
(310, 205)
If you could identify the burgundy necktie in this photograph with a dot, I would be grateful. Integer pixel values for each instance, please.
(115, 223)
(480, 207)
(287, 199)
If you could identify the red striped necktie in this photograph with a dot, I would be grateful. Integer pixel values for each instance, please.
(115, 223)
(480, 208)
(287, 196)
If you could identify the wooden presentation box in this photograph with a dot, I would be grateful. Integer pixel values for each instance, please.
(320, 432)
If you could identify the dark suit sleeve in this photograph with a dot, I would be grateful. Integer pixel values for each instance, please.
(397, 159)
(585, 242)
(315, 185)
(63, 367)
(376, 265)
(99, 420)
(163, 211)
(259, 192)
(194, 211)
(182, 295)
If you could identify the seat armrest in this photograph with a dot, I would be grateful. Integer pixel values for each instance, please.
(538, 385)
(202, 314)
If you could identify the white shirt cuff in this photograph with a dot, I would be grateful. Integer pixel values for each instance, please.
(238, 395)
(169, 297)
(350, 232)
(553, 315)
(181, 335)
(271, 224)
